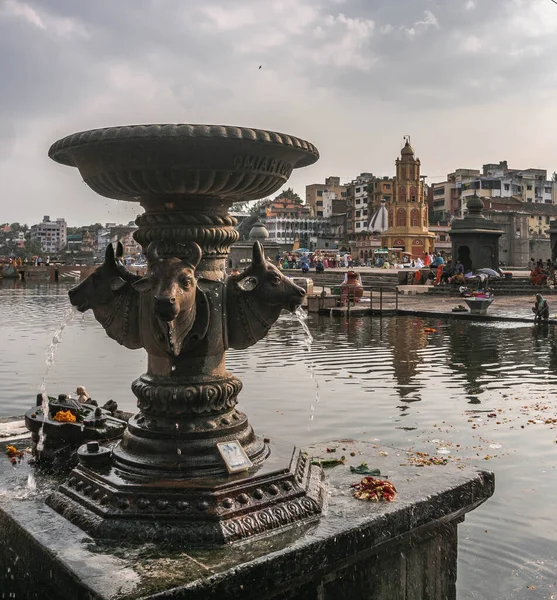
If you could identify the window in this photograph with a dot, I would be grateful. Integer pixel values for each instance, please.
(507, 186)
(319, 213)
(319, 192)
(319, 203)
(401, 218)
(358, 190)
(415, 218)
(357, 226)
(547, 190)
(358, 213)
(343, 194)
(413, 198)
(358, 200)
(387, 186)
(547, 220)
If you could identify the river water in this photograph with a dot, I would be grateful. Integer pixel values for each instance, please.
(392, 380)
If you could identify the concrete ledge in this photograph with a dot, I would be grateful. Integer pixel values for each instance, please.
(386, 551)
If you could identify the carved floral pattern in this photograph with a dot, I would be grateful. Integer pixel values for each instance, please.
(177, 400)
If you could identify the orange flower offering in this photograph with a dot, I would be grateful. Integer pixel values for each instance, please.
(64, 416)
(12, 451)
(374, 490)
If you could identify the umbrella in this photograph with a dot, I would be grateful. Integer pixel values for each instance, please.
(379, 222)
(490, 273)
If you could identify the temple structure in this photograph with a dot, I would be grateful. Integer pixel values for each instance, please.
(408, 219)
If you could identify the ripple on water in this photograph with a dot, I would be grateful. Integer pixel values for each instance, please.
(376, 379)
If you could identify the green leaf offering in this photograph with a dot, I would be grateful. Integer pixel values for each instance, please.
(363, 469)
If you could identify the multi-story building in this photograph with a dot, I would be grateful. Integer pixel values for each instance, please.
(359, 199)
(315, 191)
(51, 234)
(283, 207)
(495, 180)
(380, 190)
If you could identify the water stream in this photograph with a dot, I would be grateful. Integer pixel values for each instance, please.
(49, 362)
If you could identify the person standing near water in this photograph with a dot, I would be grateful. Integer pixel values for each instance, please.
(540, 309)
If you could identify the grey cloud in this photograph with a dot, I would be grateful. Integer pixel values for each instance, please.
(89, 64)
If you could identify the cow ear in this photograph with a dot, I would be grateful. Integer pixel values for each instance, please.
(142, 285)
(116, 283)
(119, 250)
(258, 258)
(109, 254)
(193, 255)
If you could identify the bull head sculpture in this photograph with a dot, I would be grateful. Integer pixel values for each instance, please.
(109, 292)
(255, 299)
(170, 297)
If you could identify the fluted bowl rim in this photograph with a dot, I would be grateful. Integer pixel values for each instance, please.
(60, 150)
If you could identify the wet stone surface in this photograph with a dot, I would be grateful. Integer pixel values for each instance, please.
(393, 545)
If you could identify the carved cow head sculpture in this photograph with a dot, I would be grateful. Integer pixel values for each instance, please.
(255, 299)
(169, 292)
(109, 293)
(105, 283)
(171, 281)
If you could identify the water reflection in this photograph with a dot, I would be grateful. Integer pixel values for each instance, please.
(391, 379)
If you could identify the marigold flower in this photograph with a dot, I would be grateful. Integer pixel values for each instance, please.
(11, 450)
(64, 416)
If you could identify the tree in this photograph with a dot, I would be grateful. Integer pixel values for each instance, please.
(31, 248)
(289, 194)
(255, 209)
(240, 207)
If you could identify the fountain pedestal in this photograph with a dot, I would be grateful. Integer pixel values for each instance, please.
(167, 479)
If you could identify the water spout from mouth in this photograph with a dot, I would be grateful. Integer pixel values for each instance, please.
(49, 362)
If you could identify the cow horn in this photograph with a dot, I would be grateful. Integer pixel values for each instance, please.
(193, 254)
(258, 254)
(109, 254)
(152, 253)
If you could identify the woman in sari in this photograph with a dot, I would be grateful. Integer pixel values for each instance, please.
(439, 274)
(540, 309)
(537, 276)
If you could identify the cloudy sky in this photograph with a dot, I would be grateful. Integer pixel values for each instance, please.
(471, 81)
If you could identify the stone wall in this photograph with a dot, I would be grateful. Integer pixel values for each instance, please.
(540, 248)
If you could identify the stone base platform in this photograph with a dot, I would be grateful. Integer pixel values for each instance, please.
(406, 549)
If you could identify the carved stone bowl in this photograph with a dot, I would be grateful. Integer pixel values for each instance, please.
(212, 161)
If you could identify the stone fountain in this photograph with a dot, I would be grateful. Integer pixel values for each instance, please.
(167, 478)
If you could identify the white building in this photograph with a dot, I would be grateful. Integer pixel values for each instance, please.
(51, 234)
(359, 196)
(285, 230)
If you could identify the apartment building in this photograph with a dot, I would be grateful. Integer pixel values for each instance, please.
(52, 235)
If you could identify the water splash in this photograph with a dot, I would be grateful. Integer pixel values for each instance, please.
(31, 483)
(302, 318)
(49, 362)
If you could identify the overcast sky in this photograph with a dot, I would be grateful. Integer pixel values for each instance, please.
(472, 81)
